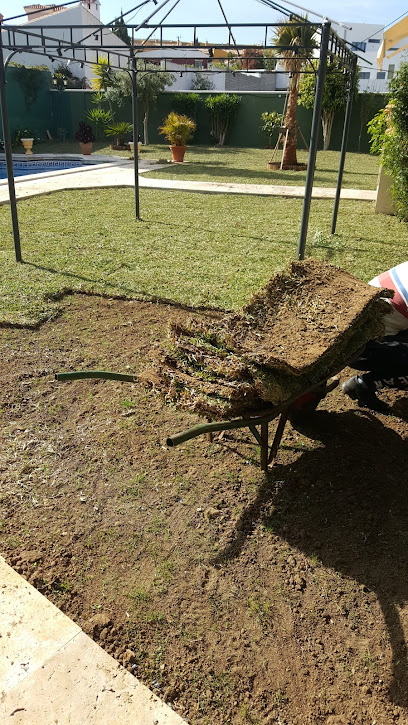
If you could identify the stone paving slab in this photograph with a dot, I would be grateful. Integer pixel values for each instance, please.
(212, 187)
(51, 673)
(28, 635)
(121, 174)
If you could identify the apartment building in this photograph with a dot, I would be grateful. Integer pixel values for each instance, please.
(365, 40)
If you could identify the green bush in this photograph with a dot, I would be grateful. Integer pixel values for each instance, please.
(389, 137)
(222, 109)
(100, 118)
(270, 121)
(31, 80)
(186, 104)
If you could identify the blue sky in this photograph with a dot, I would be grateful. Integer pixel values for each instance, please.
(241, 11)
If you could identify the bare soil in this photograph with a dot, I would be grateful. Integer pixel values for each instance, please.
(238, 597)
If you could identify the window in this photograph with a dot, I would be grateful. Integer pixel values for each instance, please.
(374, 40)
(381, 75)
(391, 69)
(364, 76)
(359, 46)
(393, 49)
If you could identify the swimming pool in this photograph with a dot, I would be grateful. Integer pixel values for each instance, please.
(25, 168)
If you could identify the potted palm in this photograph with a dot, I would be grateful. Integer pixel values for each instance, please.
(177, 129)
(119, 131)
(85, 137)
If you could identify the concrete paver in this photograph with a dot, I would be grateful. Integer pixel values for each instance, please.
(51, 673)
(119, 173)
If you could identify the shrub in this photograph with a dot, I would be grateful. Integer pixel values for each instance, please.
(222, 109)
(99, 117)
(389, 137)
(270, 121)
(186, 104)
(31, 79)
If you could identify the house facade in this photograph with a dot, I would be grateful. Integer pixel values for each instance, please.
(82, 14)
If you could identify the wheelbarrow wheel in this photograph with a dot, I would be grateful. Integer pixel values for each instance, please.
(304, 406)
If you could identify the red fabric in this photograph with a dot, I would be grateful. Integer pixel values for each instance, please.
(398, 302)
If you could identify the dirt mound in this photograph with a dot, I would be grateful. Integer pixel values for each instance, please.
(303, 326)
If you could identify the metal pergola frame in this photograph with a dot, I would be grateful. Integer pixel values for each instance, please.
(37, 40)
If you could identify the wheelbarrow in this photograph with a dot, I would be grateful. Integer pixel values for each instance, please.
(257, 423)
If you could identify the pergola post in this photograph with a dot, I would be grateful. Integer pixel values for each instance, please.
(9, 155)
(135, 132)
(314, 136)
(346, 128)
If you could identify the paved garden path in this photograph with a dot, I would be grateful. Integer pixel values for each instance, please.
(51, 672)
(119, 173)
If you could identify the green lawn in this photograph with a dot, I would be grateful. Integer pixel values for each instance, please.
(195, 249)
(242, 165)
(248, 166)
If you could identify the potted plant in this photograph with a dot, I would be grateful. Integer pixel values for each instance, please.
(132, 145)
(177, 129)
(85, 137)
(119, 131)
(27, 139)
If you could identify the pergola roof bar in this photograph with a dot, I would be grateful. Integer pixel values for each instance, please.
(158, 25)
(228, 25)
(272, 4)
(337, 46)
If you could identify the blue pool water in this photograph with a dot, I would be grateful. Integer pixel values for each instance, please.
(24, 168)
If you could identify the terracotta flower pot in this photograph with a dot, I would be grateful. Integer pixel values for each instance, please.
(28, 144)
(86, 148)
(178, 152)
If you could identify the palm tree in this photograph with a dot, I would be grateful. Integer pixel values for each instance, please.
(297, 43)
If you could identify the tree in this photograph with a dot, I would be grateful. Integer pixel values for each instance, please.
(252, 59)
(150, 83)
(295, 45)
(202, 83)
(103, 75)
(120, 29)
(334, 94)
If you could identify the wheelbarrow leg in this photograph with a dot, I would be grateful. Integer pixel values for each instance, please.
(264, 446)
(278, 436)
